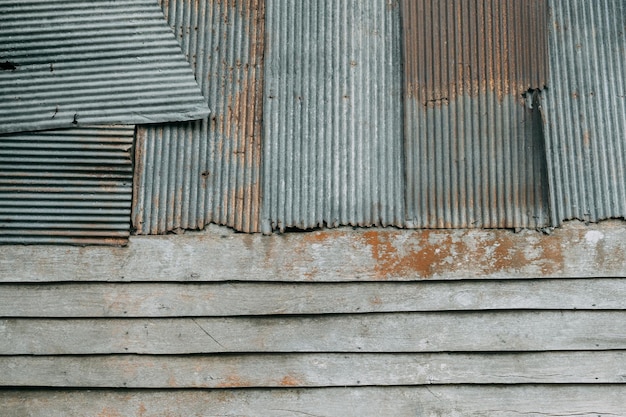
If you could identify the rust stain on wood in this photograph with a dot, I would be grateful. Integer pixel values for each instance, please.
(466, 47)
(289, 381)
(423, 260)
(109, 412)
(234, 381)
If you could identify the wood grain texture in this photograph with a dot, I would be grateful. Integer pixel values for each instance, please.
(400, 332)
(435, 401)
(312, 370)
(219, 254)
(243, 299)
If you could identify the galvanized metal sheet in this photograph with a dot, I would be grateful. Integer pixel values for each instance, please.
(333, 115)
(67, 63)
(474, 143)
(585, 110)
(66, 186)
(191, 174)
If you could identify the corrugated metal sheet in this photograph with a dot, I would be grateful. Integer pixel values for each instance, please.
(65, 63)
(66, 186)
(585, 110)
(474, 148)
(194, 173)
(333, 115)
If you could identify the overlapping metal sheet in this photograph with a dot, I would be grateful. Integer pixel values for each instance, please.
(333, 114)
(191, 174)
(474, 143)
(67, 63)
(585, 110)
(66, 186)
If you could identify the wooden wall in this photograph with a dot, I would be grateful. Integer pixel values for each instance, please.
(330, 323)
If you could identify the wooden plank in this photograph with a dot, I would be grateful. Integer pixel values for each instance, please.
(401, 332)
(235, 299)
(434, 401)
(219, 254)
(311, 370)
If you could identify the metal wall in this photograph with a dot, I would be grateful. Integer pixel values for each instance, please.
(191, 174)
(66, 63)
(474, 143)
(66, 186)
(585, 108)
(333, 115)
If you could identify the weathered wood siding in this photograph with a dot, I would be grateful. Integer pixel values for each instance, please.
(337, 323)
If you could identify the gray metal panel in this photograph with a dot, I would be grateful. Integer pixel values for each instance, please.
(190, 174)
(474, 145)
(66, 186)
(65, 63)
(333, 115)
(585, 110)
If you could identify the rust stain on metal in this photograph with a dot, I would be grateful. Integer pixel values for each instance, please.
(225, 41)
(465, 47)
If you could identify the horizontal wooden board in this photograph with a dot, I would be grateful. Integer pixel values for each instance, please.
(311, 370)
(241, 299)
(435, 401)
(219, 254)
(386, 332)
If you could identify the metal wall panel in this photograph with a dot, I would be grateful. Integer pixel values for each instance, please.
(66, 186)
(474, 143)
(190, 174)
(333, 115)
(585, 110)
(66, 63)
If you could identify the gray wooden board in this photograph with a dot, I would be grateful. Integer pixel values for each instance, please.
(434, 401)
(311, 370)
(218, 254)
(385, 332)
(237, 299)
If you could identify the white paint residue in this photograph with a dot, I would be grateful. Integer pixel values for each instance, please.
(594, 236)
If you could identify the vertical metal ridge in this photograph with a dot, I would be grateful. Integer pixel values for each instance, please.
(69, 63)
(191, 174)
(473, 145)
(333, 115)
(66, 186)
(584, 110)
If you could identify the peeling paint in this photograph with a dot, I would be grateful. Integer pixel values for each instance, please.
(332, 256)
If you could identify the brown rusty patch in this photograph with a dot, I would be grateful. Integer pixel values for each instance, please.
(109, 412)
(466, 47)
(553, 259)
(376, 301)
(423, 261)
(289, 381)
(141, 412)
(587, 138)
(234, 381)
(427, 253)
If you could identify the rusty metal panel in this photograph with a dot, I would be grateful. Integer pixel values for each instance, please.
(585, 108)
(70, 63)
(474, 143)
(333, 115)
(66, 186)
(191, 174)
